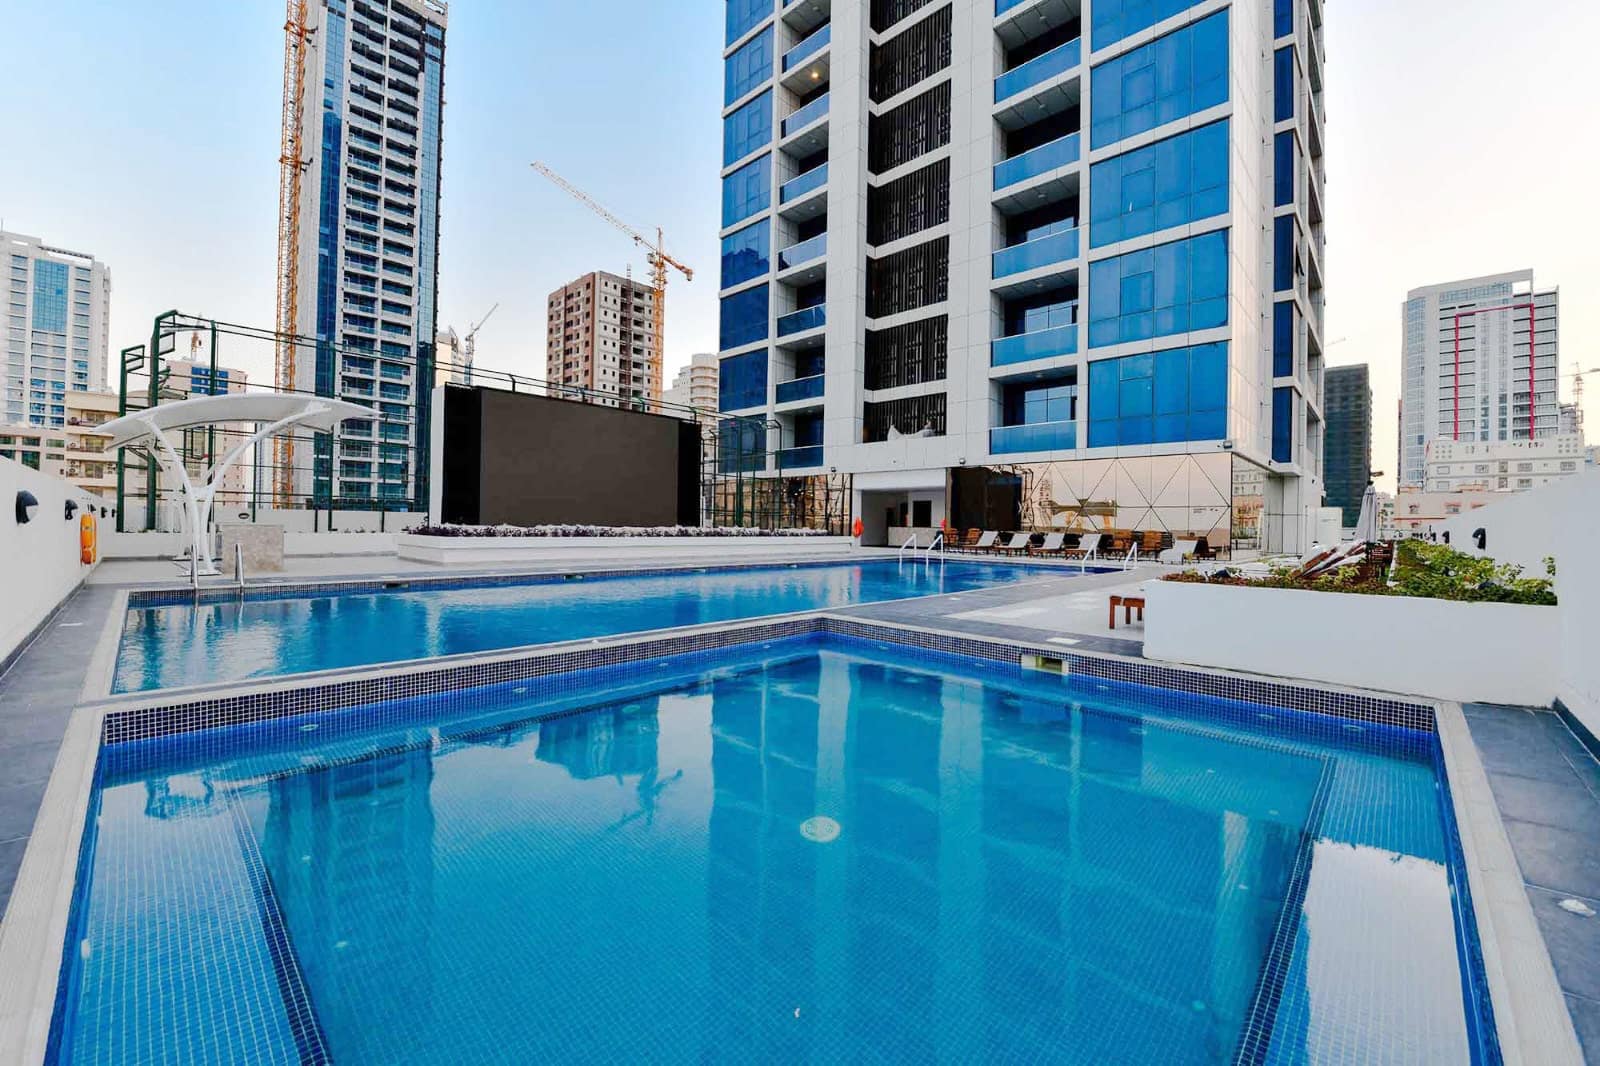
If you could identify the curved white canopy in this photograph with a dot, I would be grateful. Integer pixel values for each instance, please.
(318, 412)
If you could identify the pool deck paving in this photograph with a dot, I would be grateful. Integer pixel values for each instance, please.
(1546, 783)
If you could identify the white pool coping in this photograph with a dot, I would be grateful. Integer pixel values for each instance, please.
(1532, 1023)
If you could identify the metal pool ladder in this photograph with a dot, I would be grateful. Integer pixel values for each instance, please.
(937, 542)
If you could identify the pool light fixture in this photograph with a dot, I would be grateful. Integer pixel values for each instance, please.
(27, 503)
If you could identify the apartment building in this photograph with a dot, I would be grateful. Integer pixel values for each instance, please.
(601, 337)
(1502, 466)
(75, 450)
(1479, 362)
(369, 251)
(1041, 264)
(695, 385)
(57, 306)
(1347, 443)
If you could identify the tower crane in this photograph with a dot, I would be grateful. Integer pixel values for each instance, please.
(1577, 391)
(469, 343)
(291, 165)
(655, 254)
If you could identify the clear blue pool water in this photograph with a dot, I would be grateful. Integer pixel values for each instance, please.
(181, 644)
(633, 867)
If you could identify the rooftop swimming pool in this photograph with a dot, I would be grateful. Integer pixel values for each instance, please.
(263, 635)
(819, 849)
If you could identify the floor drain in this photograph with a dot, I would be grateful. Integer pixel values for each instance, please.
(820, 829)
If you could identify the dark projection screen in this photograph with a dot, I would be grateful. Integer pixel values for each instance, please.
(530, 460)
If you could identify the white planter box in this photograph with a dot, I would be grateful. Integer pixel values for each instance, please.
(1469, 652)
(463, 551)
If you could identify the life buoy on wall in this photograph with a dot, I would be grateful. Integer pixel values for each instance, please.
(857, 528)
(86, 539)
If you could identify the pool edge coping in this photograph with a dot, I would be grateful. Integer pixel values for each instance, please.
(1531, 1019)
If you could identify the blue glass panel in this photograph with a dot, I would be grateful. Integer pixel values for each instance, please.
(744, 16)
(1034, 437)
(1283, 158)
(808, 47)
(742, 382)
(803, 252)
(747, 129)
(1175, 181)
(799, 457)
(1116, 19)
(798, 186)
(1041, 251)
(1208, 377)
(1041, 68)
(49, 296)
(1283, 84)
(1282, 339)
(805, 116)
(745, 254)
(1283, 253)
(744, 317)
(1171, 288)
(801, 388)
(1282, 425)
(803, 319)
(1041, 344)
(1171, 396)
(747, 190)
(1179, 74)
(748, 67)
(1040, 160)
(1282, 17)
(1172, 382)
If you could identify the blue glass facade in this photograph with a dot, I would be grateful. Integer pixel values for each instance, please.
(1283, 253)
(1116, 19)
(1171, 288)
(1171, 77)
(49, 296)
(742, 382)
(747, 190)
(1282, 17)
(746, 254)
(1282, 425)
(744, 16)
(1283, 155)
(1178, 180)
(1159, 398)
(428, 143)
(748, 67)
(744, 318)
(1283, 84)
(747, 129)
(1283, 331)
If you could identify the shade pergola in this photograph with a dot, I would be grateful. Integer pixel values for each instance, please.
(271, 412)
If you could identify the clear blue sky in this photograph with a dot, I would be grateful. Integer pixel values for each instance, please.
(1461, 141)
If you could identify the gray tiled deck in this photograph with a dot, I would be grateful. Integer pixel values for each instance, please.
(1547, 785)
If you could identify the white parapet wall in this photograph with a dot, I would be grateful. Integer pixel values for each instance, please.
(666, 551)
(40, 560)
(1470, 652)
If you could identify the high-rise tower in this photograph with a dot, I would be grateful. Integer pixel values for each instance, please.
(1032, 263)
(372, 121)
(55, 340)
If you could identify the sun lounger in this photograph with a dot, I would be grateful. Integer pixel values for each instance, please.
(1051, 545)
(984, 543)
(1088, 547)
(1017, 543)
(1179, 551)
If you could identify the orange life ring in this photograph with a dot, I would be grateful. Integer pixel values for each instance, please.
(857, 527)
(86, 538)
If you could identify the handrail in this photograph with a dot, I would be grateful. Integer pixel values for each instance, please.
(910, 542)
(194, 573)
(1132, 557)
(238, 565)
(936, 542)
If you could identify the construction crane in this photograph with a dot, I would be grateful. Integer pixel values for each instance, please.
(655, 254)
(1577, 392)
(291, 165)
(469, 344)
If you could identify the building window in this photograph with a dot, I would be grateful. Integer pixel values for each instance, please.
(1284, 155)
(742, 382)
(744, 16)
(748, 67)
(1116, 19)
(49, 296)
(1171, 288)
(1176, 395)
(909, 204)
(1283, 84)
(1285, 266)
(908, 279)
(747, 129)
(907, 354)
(1178, 180)
(1282, 425)
(1179, 74)
(746, 254)
(1284, 315)
(747, 190)
(918, 52)
(744, 317)
(916, 127)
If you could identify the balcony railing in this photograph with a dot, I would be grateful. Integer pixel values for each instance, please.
(1038, 437)
(1040, 344)
(790, 458)
(800, 389)
(1040, 160)
(797, 187)
(1058, 60)
(808, 47)
(1041, 251)
(804, 117)
(804, 252)
(803, 319)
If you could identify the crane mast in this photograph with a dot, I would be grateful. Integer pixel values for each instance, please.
(655, 254)
(291, 165)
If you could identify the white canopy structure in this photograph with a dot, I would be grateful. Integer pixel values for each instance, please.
(271, 412)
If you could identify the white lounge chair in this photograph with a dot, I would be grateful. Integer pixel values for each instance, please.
(1180, 550)
(1051, 546)
(1088, 547)
(984, 543)
(1017, 543)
